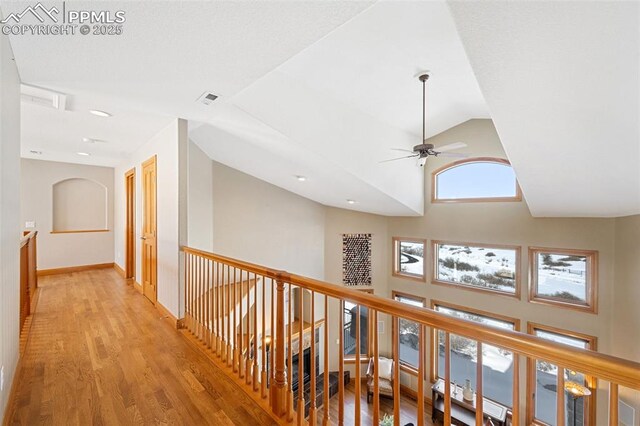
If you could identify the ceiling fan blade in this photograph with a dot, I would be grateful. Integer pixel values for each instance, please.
(452, 155)
(399, 158)
(402, 150)
(450, 147)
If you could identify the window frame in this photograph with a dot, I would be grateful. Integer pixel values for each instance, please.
(434, 268)
(396, 335)
(433, 368)
(364, 358)
(591, 275)
(434, 182)
(395, 250)
(592, 382)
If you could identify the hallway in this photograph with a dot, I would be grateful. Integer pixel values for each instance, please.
(99, 353)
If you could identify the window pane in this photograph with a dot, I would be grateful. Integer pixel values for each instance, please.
(480, 267)
(546, 384)
(497, 364)
(476, 180)
(349, 332)
(562, 276)
(408, 335)
(411, 259)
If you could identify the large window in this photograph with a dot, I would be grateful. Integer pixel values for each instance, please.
(477, 266)
(497, 363)
(350, 313)
(407, 333)
(542, 382)
(408, 258)
(564, 277)
(475, 179)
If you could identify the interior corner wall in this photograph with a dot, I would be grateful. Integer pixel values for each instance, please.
(342, 221)
(625, 327)
(263, 224)
(200, 200)
(36, 194)
(168, 146)
(9, 218)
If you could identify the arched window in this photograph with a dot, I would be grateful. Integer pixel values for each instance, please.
(475, 179)
(79, 205)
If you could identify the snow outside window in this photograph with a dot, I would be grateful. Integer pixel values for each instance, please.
(409, 333)
(482, 267)
(545, 383)
(409, 258)
(497, 363)
(564, 277)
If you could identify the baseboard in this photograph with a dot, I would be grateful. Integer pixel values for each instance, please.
(11, 401)
(413, 394)
(167, 315)
(137, 286)
(119, 270)
(67, 270)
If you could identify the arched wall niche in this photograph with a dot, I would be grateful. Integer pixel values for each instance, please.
(79, 205)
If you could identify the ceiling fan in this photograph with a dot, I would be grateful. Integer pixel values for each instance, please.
(424, 150)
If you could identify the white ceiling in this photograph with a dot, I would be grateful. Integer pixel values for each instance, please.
(562, 82)
(324, 89)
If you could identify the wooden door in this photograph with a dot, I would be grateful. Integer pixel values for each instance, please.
(149, 234)
(130, 229)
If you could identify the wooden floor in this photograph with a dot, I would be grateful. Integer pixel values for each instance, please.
(100, 354)
(408, 408)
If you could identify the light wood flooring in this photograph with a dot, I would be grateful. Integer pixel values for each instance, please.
(408, 408)
(100, 354)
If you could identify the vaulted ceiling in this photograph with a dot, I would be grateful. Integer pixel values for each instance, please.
(326, 89)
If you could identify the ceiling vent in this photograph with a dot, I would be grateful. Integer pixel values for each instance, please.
(43, 97)
(207, 98)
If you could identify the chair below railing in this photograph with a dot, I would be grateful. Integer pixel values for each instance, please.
(28, 276)
(231, 305)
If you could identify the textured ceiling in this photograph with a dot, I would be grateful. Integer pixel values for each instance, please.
(562, 82)
(325, 89)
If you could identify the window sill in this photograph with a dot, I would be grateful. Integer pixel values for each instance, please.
(363, 359)
(461, 286)
(419, 278)
(588, 308)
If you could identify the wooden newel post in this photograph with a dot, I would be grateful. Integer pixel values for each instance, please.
(278, 390)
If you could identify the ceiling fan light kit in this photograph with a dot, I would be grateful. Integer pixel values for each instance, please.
(424, 150)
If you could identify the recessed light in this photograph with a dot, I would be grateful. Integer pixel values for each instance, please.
(84, 154)
(36, 152)
(91, 140)
(99, 113)
(301, 178)
(351, 201)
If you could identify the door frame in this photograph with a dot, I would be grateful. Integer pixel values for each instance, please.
(145, 290)
(130, 225)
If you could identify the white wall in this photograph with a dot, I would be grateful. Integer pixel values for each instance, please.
(64, 250)
(9, 217)
(169, 145)
(200, 200)
(261, 223)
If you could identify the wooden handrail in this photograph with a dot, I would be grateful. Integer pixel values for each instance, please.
(26, 237)
(618, 370)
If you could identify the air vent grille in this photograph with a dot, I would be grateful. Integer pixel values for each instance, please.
(207, 98)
